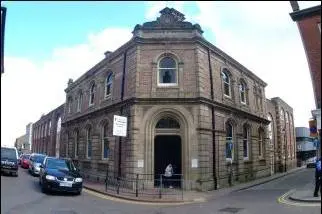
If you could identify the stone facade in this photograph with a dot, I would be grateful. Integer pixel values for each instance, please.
(44, 132)
(22, 144)
(217, 126)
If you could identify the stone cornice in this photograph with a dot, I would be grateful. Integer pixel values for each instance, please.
(161, 101)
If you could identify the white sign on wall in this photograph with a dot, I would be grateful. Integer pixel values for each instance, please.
(140, 163)
(194, 163)
(119, 126)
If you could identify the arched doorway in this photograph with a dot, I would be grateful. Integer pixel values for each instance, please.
(167, 150)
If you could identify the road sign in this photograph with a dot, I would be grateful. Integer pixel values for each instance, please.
(119, 126)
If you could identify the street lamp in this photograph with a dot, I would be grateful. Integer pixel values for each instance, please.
(3, 22)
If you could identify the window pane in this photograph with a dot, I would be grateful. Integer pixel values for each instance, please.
(106, 148)
(167, 76)
(167, 62)
(168, 123)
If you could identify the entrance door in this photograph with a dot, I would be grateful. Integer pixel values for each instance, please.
(167, 149)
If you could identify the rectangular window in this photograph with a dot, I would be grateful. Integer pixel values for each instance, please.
(260, 144)
(105, 148)
(89, 149)
(227, 89)
(229, 148)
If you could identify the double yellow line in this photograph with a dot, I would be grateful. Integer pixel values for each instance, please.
(282, 200)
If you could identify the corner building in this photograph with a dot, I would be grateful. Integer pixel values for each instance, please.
(187, 103)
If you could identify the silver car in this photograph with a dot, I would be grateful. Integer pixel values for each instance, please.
(35, 161)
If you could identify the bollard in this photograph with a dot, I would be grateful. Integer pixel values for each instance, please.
(118, 186)
(160, 194)
(137, 184)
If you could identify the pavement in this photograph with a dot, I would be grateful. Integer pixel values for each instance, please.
(302, 194)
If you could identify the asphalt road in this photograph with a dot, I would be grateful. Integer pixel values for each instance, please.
(23, 195)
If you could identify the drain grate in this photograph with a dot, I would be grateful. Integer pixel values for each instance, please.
(63, 212)
(231, 209)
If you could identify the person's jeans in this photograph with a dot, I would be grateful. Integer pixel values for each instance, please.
(317, 186)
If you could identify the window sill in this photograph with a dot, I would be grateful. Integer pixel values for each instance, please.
(248, 161)
(87, 160)
(168, 85)
(105, 161)
(261, 159)
(109, 97)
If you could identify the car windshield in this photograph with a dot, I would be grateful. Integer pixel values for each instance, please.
(38, 159)
(60, 164)
(8, 153)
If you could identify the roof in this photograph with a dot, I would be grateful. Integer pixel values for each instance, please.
(306, 13)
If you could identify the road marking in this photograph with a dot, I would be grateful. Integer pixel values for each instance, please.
(282, 200)
(106, 197)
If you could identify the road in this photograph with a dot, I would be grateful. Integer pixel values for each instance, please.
(23, 195)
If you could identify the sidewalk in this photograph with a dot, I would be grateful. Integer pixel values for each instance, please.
(305, 194)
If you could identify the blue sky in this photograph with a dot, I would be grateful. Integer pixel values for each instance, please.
(46, 43)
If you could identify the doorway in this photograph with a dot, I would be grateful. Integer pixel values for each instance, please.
(167, 149)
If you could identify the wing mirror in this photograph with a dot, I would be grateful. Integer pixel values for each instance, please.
(41, 166)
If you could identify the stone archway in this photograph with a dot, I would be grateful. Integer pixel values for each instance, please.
(185, 132)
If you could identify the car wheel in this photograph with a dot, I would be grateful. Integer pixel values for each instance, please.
(39, 181)
(79, 192)
(16, 174)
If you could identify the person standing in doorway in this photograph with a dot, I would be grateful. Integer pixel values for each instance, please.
(168, 174)
(318, 175)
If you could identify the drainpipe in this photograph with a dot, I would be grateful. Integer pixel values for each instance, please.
(121, 112)
(214, 169)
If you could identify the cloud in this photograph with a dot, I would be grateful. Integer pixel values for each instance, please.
(31, 88)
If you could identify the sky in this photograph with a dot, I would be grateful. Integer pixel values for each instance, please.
(46, 43)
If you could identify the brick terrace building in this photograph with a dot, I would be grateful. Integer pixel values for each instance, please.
(46, 132)
(187, 103)
(309, 24)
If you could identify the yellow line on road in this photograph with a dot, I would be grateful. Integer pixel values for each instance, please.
(106, 197)
(282, 200)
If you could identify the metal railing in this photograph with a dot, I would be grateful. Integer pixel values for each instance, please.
(148, 186)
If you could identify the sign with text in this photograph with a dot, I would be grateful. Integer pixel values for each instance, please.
(119, 126)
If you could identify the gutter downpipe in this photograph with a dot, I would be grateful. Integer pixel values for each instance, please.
(214, 168)
(121, 112)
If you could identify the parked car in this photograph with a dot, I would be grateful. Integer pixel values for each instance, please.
(310, 163)
(9, 160)
(60, 174)
(25, 161)
(35, 161)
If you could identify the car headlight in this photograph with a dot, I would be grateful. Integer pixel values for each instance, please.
(78, 180)
(50, 177)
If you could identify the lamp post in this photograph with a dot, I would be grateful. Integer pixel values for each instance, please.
(3, 22)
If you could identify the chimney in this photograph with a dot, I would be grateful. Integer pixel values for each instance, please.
(295, 6)
(107, 53)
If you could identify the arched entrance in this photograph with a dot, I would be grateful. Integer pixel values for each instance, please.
(167, 150)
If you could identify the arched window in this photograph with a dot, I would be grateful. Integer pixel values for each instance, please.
(226, 80)
(108, 85)
(287, 117)
(105, 142)
(168, 72)
(229, 142)
(45, 129)
(79, 101)
(260, 142)
(92, 94)
(58, 136)
(49, 128)
(167, 123)
(70, 103)
(242, 92)
(270, 128)
(282, 115)
(76, 151)
(89, 142)
(246, 141)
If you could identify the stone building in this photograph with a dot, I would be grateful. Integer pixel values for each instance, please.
(46, 132)
(21, 144)
(187, 103)
(281, 133)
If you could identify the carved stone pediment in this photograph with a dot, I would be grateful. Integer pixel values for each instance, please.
(169, 19)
